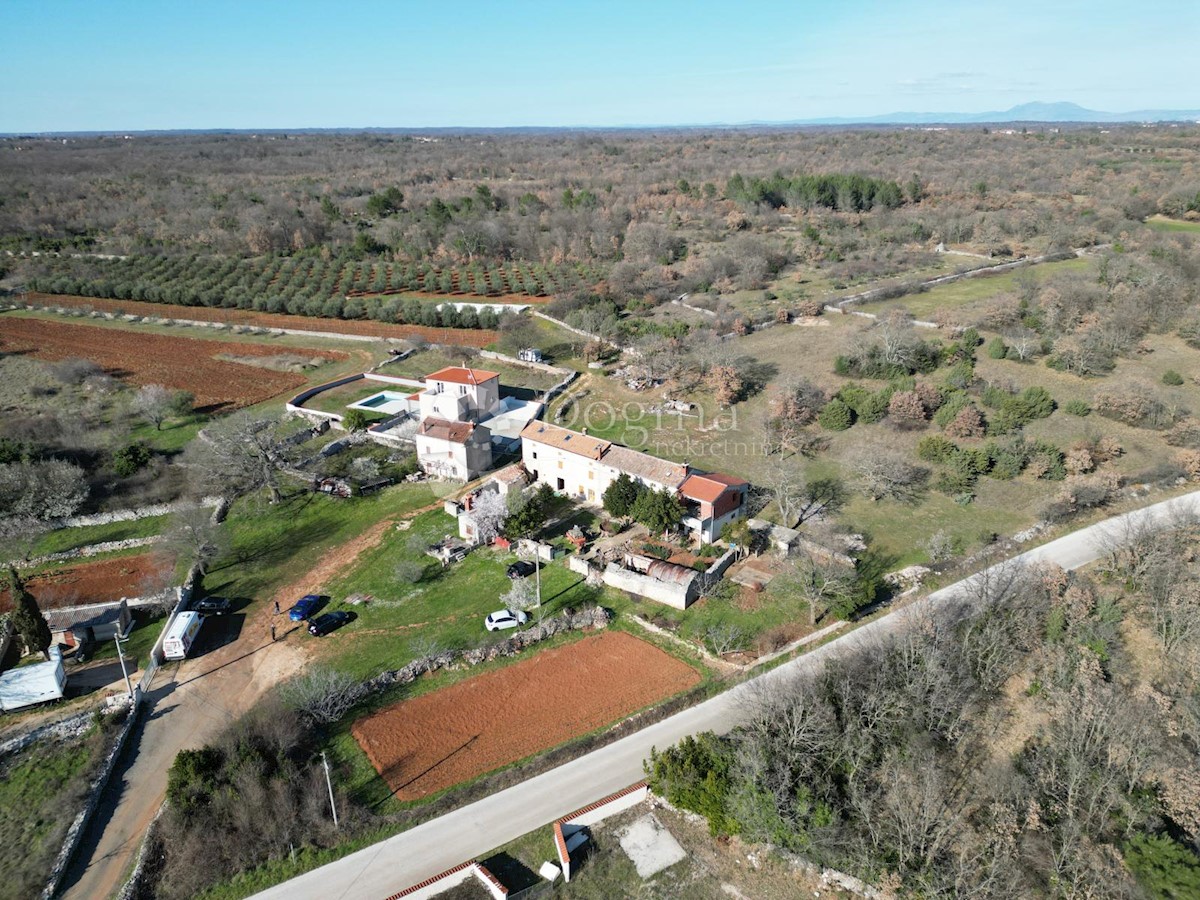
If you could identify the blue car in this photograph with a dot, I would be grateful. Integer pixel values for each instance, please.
(304, 607)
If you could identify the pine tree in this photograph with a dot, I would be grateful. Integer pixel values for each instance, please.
(31, 625)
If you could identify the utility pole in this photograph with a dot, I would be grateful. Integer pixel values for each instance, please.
(537, 568)
(124, 671)
(329, 784)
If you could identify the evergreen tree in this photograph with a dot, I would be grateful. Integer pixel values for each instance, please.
(31, 625)
(620, 496)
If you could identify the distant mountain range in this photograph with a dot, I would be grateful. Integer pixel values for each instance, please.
(1026, 112)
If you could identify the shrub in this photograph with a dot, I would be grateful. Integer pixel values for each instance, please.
(1137, 406)
(355, 420)
(967, 424)
(130, 458)
(836, 416)
(935, 448)
(950, 408)
(1077, 408)
(1172, 378)
(906, 411)
(997, 349)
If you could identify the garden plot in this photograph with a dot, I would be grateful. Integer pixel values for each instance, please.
(434, 741)
(188, 364)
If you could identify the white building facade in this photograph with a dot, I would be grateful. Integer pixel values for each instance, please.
(450, 442)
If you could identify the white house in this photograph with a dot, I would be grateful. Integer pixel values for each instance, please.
(583, 467)
(459, 395)
(458, 451)
(450, 441)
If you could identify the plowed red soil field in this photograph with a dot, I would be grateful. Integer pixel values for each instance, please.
(176, 362)
(458, 337)
(431, 742)
(97, 581)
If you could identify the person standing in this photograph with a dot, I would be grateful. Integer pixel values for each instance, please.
(276, 607)
(272, 632)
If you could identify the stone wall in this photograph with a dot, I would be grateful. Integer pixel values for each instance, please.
(75, 832)
(592, 617)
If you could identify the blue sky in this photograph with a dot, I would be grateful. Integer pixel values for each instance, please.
(132, 64)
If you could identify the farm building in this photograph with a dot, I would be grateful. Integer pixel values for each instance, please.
(69, 625)
(582, 467)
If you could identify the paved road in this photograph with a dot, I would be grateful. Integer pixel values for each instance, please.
(190, 702)
(412, 856)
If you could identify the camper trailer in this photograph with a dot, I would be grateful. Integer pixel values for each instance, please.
(181, 635)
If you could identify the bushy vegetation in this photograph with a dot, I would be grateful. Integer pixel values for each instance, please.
(886, 763)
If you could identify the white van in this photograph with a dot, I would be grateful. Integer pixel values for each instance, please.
(182, 633)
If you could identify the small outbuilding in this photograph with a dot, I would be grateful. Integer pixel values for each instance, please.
(69, 625)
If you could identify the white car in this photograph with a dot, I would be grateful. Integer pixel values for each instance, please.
(505, 618)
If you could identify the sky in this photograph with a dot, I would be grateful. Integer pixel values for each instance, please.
(125, 65)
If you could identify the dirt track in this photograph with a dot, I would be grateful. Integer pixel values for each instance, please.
(439, 739)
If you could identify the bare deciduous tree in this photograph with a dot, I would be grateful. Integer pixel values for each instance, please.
(322, 694)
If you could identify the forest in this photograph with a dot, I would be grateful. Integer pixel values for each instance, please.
(1039, 740)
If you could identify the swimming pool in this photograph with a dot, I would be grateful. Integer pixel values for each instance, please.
(389, 403)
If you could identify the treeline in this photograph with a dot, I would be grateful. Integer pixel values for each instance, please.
(845, 193)
(1040, 741)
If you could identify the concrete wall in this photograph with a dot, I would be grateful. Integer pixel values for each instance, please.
(679, 596)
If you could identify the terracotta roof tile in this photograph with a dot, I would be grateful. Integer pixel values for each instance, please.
(459, 375)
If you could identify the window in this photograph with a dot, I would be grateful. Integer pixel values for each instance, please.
(591, 475)
(462, 390)
(534, 454)
(560, 464)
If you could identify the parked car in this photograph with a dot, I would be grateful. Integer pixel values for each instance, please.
(330, 621)
(521, 569)
(505, 618)
(304, 607)
(213, 606)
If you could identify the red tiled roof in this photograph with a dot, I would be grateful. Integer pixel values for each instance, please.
(564, 439)
(459, 375)
(441, 429)
(707, 488)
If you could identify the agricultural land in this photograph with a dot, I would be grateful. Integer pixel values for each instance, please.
(923, 351)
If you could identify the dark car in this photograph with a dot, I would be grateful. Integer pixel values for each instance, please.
(521, 569)
(213, 606)
(304, 607)
(331, 621)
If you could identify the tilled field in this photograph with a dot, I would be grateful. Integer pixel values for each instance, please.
(96, 582)
(459, 337)
(429, 743)
(181, 363)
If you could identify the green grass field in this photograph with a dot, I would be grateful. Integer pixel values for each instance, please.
(445, 609)
(39, 795)
(1162, 223)
(270, 544)
(71, 538)
(425, 362)
(971, 290)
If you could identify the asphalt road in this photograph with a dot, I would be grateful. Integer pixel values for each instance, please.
(189, 703)
(421, 852)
